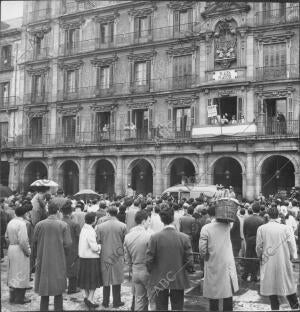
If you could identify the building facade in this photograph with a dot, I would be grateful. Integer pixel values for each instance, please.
(152, 93)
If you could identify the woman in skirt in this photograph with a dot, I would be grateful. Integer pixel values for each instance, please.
(89, 277)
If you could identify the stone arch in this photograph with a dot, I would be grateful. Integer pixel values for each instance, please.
(34, 170)
(170, 161)
(68, 176)
(104, 176)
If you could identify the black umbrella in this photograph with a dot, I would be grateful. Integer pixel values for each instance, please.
(5, 191)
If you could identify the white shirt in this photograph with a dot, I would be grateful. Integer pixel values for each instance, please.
(155, 224)
(88, 247)
(93, 208)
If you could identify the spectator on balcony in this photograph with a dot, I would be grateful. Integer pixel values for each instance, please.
(233, 120)
(242, 119)
(281, 123)
(224, 120)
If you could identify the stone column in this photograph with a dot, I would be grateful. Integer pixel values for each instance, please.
(297, 178)
(250, 177)
(50, 168)
(82, 174)
(11, 177)
(202, 169)
(119, 181)
(157, 179)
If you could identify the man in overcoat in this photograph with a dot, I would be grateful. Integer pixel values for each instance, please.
(51, 237)
(220, 277)
(169, 256)
(72, 260)
(251, 225)
(111, 235)
(276, 246)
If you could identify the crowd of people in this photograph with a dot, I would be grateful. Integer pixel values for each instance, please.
(76, 245)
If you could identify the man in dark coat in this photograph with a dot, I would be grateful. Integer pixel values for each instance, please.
(3, 219)
(71, 252)
(235, 236)
(251, 225)
(168, 257)
(51, 237)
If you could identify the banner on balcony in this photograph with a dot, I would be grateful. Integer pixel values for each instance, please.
(225, 75)
(212, 111)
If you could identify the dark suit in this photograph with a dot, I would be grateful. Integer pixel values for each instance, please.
(251, 225)
(168, 257)
(235, 237)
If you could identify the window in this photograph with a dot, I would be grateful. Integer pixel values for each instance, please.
(6, 56)
(69, 128)
(182, 119)
(38, 45)
(72, 39)
(38, 88)
(71, 81)
(3, 130)
(182, 71)
(274, 60)
(183, 20)
(142, 26)
(107, 32)
(104, 77)
(4, 93)
(140, 74)
(36, 129)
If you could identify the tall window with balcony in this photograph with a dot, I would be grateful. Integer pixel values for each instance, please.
(72, 41)
(104, 80)
(106, 34)
(36, 130)
(182, 121)
(3, 132)
(69, 128)
(141, 76)
(182, 71)
(139, 124)
(71, 83)
(40, 50)
(142, 28)
(38, 89)
(275, 66)
(182, 22)
(4, 94)
(5, 57)
(104, 126)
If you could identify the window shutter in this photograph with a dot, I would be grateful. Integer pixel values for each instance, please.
(112, 31)
(98, 69)
(29, 126)
(128, 117)
(148, 73)
(290, 109)
(59, 127)
(67, 42)
(150, 119)
(43, 78)
(112, 122)
(170, 123)
(190, 19)
(192, 115)
(76, 80)
(149, 24)
(176, 21)
(9, 55)
(77, 126)
(92, 125)
(44, 128)
(76, 39)
(136, 27)
(240, 108)
(111, 77)
(131, 74)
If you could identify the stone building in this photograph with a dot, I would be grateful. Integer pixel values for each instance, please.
(153, 93)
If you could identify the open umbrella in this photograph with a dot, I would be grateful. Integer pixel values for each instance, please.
(86, 194)
(5, 191)
(44, 182)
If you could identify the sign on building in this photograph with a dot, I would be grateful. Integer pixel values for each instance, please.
(212, 111)
(225, 75)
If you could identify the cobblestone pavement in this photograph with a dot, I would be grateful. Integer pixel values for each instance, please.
(247, 298)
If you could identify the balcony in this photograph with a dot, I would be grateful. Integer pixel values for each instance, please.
(272, 17)
(39, 15)
(272, 127)
(154, 85)
(277, 72)
(9, 102)
(6, 67)
(127, 39)
(33, 98)
(38, 54)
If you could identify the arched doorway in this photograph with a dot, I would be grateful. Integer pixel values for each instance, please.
(142, 177)
(70, 177)
(182, 170)
(34, 171)
(4, 170)
(277, 174)
(228, 171)
(105, 177)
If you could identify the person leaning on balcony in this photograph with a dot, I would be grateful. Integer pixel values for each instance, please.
(276, 246)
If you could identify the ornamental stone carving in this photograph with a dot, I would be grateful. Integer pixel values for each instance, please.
(68, 110)
(220, 8)
(275, 93)
(31, 113)
(38, 70)
(225, 42)
(104, 108)
(104, 61)
(141, 57)
(106, 18)
(70, 66)
(71, 24)
(143, 11)
(180, 5)
(273, 38)
(143, 104)
(40, 31)
(173, 51)
(182, 101)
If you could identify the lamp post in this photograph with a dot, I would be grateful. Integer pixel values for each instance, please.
(277, 176)
(227, 177)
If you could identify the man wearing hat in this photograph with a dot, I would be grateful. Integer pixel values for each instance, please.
(231, 192)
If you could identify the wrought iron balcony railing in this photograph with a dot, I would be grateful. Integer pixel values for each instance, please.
(34, 98)
(289, 15)
(130, 38)
(273, 127)
(277, 72)
(9, 102)
(6, 67)
(137, 86)
(39, 15)
(38, 54)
